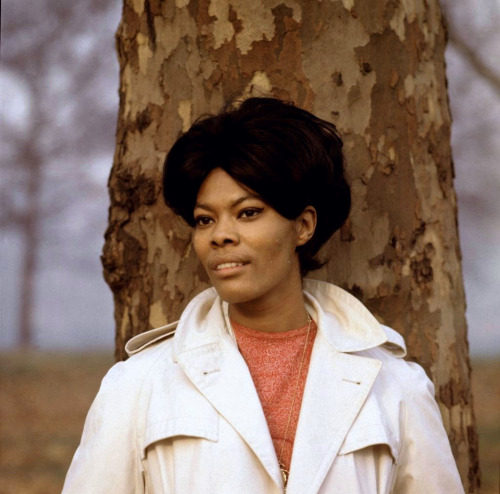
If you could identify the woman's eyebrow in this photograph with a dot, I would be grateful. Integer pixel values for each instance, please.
(241, 199)
(203, 205)
(235, 203)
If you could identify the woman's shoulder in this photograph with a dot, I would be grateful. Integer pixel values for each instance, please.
(149, 353)
(397, 373)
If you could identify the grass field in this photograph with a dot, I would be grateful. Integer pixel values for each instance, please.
(44, 398)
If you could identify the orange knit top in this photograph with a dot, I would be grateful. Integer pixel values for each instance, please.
(274, 361)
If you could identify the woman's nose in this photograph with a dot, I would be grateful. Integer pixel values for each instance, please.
(224, 233)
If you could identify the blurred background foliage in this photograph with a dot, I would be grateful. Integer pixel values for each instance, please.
(59, 78)
(59, 100)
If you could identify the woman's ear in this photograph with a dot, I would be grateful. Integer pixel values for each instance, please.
(305, 225)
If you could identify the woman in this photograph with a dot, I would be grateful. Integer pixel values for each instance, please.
(268, 383)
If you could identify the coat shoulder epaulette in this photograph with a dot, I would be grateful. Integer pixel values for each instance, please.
(148, 338)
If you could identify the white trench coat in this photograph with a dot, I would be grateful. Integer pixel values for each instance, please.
(182, 415)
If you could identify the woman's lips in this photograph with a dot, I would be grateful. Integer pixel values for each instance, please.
(226, 265)
(222, 267)
(226, 262)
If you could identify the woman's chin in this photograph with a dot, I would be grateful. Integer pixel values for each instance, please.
(233, 294)
(234, 298)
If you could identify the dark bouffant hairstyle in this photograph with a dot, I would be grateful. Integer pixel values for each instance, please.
(289, 157)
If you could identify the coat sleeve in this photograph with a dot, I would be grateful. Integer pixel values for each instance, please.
(426, 463)
(107, 460)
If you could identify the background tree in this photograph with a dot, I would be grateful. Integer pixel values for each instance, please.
(58, 122)
(377, 71)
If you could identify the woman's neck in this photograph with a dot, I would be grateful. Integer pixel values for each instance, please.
(284, 313)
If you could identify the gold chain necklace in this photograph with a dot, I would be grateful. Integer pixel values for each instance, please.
(284, 472)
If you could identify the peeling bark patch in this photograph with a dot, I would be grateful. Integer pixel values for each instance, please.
(453, 393)
(233, 19)
(128, 250)
(377, 261)
(131, 192)
(422, 270)
(354, 95)
(184, 111)
(357, 292)
(281, 13)
(337, 78)
(221, 28)
(348, 4)
(473, 440)
(260, 84)
(346, 234)
(366, 68)
(150, 22)
(394, 79)
(143, 120)
(180, 245)
(112, 262)
(417, 233)
(147, 190)
(131, 22)
(155, 6)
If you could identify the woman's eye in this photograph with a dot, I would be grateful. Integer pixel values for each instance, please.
(250, 212)
(201, 221)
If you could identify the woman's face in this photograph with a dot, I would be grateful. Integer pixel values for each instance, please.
(246, 246)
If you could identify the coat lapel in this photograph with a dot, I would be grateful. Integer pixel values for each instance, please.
(220, 373)
(329, 408)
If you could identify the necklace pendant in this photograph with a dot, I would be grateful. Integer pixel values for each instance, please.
(284, 476)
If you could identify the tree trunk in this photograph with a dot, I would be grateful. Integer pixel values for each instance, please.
(376, 69)
(31, 243)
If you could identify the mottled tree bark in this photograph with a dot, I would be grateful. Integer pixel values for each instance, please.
(376, 69)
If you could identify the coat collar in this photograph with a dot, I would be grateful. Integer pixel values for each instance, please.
(345, 321)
